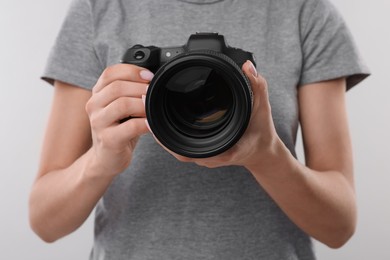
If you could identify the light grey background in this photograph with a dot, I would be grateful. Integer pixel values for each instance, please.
(27, 31)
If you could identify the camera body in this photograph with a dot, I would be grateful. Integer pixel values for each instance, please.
(199, 101)
(152, 57)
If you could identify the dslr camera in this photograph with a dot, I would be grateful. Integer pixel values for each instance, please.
(199, 102)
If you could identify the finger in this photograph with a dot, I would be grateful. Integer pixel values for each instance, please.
(118, 135)
(116, 90)
(132, 128)
(125, 107)
(127, 72)
(121, 108)
(259, 87)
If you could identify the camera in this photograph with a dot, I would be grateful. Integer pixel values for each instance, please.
(199, 101)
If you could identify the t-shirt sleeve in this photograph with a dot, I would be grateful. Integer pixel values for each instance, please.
(328, 48)
(73, 58)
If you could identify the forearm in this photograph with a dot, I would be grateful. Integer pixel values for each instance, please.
(71, 178)
(321, 203)
(62, 200)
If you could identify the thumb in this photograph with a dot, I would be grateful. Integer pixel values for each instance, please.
(259, 88)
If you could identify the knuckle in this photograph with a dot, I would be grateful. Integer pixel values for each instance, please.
(89, 106)
(96, 87)
(115, 89)
(123, 105)
(261, 80)
(106, 77)
(106, 139)
(94, 121)
(263, 86)
(107, 73)
(137, 126)
(132, 126)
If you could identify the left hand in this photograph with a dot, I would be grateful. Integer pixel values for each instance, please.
(259, 139)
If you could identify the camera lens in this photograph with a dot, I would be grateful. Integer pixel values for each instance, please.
(199, 104)
(199, 101)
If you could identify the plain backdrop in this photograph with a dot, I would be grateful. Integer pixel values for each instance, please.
(28, 30)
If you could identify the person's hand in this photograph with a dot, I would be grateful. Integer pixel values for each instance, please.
(260, 138)
(117, 95)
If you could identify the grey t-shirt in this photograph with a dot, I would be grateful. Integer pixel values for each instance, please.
(160, 208)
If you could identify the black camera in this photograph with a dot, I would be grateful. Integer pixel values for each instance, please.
(199, 102)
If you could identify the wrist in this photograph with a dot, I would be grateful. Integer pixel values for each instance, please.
(276, 158)
(95, 172)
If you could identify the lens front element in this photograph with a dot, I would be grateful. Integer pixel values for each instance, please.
(199, 101)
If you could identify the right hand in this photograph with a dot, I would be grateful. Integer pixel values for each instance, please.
(117, 95)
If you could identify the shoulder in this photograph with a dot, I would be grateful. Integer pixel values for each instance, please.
(324, 8)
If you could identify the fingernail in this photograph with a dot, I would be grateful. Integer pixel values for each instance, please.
(146, 75)
(252, 68)
(143, 97)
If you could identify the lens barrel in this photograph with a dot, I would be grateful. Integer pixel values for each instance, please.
(198, 104)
